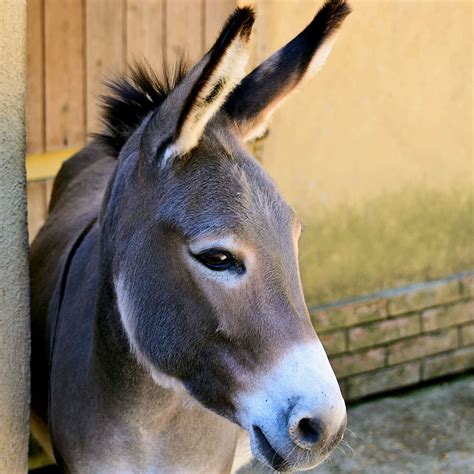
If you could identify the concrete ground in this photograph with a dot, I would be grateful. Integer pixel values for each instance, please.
(429, 430)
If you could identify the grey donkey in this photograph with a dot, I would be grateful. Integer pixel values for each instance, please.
(168, 318)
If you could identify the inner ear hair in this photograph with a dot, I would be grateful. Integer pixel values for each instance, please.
(223, 70)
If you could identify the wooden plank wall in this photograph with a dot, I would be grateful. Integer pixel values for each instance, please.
(74, 44)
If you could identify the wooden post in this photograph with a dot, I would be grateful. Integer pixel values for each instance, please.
(14, 281)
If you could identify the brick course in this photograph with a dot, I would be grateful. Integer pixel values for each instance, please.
(400, 337)
(449, 363)
(350, 364)
(424, 297)
(421, 346)
(467, 335)
(385, 379)
(380, 332)
(334, 342)
(444, 316)
(350, 314)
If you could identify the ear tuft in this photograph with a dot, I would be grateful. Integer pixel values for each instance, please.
(239, 22)
(323, 28)
(331, 15)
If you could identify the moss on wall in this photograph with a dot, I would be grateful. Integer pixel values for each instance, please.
(413, 235)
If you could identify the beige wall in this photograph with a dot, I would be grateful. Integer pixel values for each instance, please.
(392, 107)
(376, 152)
(14, 281)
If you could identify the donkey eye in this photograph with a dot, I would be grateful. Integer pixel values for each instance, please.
(219, 260)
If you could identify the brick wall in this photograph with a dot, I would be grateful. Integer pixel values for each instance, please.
(401, 337)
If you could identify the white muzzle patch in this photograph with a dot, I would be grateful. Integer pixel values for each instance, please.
(301, 384)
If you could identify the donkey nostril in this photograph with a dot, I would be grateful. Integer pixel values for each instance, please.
(307, 432)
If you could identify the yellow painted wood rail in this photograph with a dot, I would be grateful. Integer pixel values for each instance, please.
(42, 166)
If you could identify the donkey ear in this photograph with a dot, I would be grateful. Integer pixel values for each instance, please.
(224, 67)
(253, 101)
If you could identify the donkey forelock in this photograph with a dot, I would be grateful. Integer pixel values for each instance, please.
(131, 98)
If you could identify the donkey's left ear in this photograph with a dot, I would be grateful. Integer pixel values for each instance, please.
(223, 67)
(252, 103)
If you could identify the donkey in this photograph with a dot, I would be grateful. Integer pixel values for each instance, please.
(168, 317)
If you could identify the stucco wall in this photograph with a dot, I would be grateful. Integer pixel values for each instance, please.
(375, 152)
(14, 292)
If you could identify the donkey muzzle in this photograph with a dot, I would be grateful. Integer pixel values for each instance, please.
(309, 442)
(297, 416)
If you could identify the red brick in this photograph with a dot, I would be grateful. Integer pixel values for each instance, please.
(350, 364)
(382, 380)
(424, 297)
(467, 335)
(421, 346)
(384, 331)
(349, 314)
(334, 342)
(441, 317)
(344, 388)
(449, 363)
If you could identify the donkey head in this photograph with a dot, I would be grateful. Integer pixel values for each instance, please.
(204, 250)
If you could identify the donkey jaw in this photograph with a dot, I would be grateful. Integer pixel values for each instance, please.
(125, 308)
(296, 416)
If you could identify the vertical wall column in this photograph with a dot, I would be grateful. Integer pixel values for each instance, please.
(14, 280)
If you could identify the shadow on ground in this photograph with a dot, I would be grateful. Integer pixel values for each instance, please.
(430, 430)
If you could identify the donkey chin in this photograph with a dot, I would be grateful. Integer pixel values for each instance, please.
(296, 414)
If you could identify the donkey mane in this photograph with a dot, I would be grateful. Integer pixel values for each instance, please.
(131, 97)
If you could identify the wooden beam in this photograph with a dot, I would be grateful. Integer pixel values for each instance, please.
(146, 31)
(64, 74)
(184, 30)
(35, 77)
(105, 51)
(46, 165)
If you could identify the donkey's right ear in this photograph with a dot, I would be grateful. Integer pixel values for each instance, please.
(211, 81)
(253, 101)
